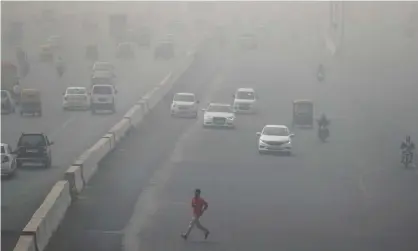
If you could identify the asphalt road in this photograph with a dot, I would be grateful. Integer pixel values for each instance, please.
(347, 194)
(72, 132)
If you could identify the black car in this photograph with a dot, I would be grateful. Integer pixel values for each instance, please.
(164, 50)
(33, 148)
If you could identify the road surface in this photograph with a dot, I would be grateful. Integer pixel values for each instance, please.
(348, 194)
(72, 131)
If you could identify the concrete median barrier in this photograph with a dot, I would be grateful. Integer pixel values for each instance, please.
(144, 106)
(47, 218)
(25, 243)
(74, 177)
(119, 130)
(135, 115)
(111, 138)
(152, 97)
(88, 161)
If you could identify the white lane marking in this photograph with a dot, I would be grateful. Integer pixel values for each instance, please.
(62, 127)
(148, 203)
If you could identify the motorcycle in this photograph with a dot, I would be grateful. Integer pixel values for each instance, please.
(323, 133)
(406, 159)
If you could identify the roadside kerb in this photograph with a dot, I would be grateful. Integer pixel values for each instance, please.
(49, 215)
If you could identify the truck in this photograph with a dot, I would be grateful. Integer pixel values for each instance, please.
(118, 26)
(9, 78)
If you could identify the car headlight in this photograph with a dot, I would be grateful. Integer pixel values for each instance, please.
(262, 142)
(230, 118)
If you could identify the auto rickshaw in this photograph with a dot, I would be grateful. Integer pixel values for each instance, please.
(47, 53)
(30, 102)
(92, 52)
(303, 113)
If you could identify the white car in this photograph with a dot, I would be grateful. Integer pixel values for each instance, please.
(184, 104)
(8, 161)
(76, 98)
(103, 97)
(275, 138)
(219, 115)
(245, 100)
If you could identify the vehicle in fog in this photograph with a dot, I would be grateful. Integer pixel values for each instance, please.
(142, 36)
(245, 100)
(103, 66)
(125, 50)
(92, 52)
(33, 148)
(218, 115)
(54, 41)
(248, 41)
(275, 138)
(76, 98)
(184, 104)
(118, 26)
(103, 78)
(9, 78)
(47, 53)
(164, 50)
(303, 113)
(8, 161)
(103, 97)
(30, 102)
(7, 102)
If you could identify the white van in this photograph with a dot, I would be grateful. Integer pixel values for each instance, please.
(245, 100)
(103, 97)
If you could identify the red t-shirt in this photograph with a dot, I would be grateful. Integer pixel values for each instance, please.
(198, 204)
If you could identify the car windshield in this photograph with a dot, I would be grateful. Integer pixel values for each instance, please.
(31, 140)
(76, 91)
(245, 95)
(184, 98)
(106, 90)
(3, 150)
(219, 108)
(275, 131)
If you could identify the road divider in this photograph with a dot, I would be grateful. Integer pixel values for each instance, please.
(120, 129)
(37, 233)
(48, 216)
(74, 176)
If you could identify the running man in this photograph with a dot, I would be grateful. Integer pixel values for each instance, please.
(199, 206)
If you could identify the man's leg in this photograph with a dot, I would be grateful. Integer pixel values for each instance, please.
(189, 229)
(199, 226)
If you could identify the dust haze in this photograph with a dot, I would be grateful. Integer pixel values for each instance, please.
(369, 54)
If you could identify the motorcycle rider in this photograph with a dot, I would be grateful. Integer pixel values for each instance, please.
(323, 121)
(407, 148)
